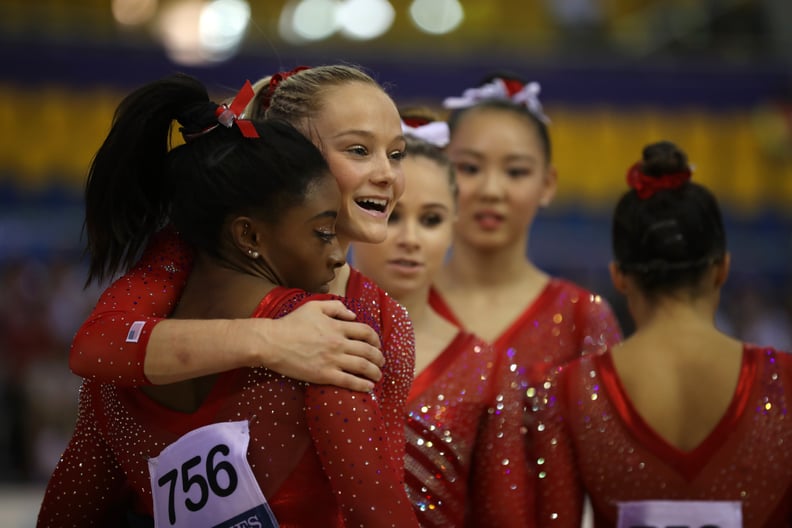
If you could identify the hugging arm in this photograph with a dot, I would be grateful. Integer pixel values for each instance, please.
(127, 340)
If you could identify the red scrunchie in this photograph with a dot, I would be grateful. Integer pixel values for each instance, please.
(275, 80)
(645, 186)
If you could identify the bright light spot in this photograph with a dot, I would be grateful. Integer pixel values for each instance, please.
(133, 12)
(178, 28)
(222, 27)
(286, 24)
(365, 19)
(196, 32)
(308, 20)
(437, 16)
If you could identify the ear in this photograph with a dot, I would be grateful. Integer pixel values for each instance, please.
(550, 186)
(617, 278)
(722, 270)
(247, 235)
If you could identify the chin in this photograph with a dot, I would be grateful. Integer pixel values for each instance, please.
(368, 232)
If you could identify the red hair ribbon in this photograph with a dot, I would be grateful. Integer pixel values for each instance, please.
(275, 80)
(513, 86)
(415, 122)
(645, 186)
(227, 115)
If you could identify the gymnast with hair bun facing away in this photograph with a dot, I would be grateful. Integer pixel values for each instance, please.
(680, 425)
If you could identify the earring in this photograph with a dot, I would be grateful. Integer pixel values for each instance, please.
(245, 229)
(253, 253)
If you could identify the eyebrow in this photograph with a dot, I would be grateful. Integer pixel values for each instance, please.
(435, 205)
(324, 214)
(510, 157)
(366, 133)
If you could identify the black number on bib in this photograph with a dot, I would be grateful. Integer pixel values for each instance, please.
(225, 466)
(204, 483)
(170, 477)
(188, 482)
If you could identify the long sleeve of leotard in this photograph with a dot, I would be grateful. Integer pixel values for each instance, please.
(501, 492)
(110, 346)
(359, 437)
(351, 439)
(87, 487)
(559, 490)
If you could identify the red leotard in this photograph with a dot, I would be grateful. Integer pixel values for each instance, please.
(565, 321)
(465, 462)
(323, 456)
(590, 439)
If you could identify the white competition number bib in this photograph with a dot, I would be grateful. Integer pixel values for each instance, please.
(204, 479)
(680, 514)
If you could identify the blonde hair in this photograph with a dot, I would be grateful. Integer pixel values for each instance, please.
(299, 96)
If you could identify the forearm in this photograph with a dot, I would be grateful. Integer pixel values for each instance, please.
(309, 344)
(181, 349)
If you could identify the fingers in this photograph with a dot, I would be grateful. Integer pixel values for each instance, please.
(351, 329)
(336, 310)
(363, 361)
(360, 332)
(345, 380)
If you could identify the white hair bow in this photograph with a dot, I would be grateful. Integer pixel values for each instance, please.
(435, 133)
(528, 97)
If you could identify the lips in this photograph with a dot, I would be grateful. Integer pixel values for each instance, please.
(373, 205)
(325, 287)
(405, 266)
(407, 263)
(489, 220)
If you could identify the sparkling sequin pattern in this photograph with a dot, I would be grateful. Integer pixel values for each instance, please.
(588, 440)
(101, 349)
(565, 321)
(465, 463)
(323, 456)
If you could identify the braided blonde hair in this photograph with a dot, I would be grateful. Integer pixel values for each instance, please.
(299, 97)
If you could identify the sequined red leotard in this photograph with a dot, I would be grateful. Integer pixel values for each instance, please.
(111, 344)
(322, 456)
(465, 462)
(565, 321)
(590, 438)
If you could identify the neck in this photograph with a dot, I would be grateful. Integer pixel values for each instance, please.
(417, 305)
(668, 313)
(470, 266)
(218, 290)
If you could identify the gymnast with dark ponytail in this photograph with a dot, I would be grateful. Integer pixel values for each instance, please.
(256, 204)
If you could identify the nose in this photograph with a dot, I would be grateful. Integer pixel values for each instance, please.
(408, 235)
(491, 185)
(336, 258)
(387, 171)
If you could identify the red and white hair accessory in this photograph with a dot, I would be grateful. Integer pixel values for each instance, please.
(526, 95)
(228, 114)
(433, 132)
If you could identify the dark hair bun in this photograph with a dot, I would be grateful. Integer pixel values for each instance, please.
(662, 158)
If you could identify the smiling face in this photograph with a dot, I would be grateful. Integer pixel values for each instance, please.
(359, 132)
(419, 232)
(301, 248)
(503, 177)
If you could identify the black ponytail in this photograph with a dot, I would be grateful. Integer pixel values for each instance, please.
(125, 196)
